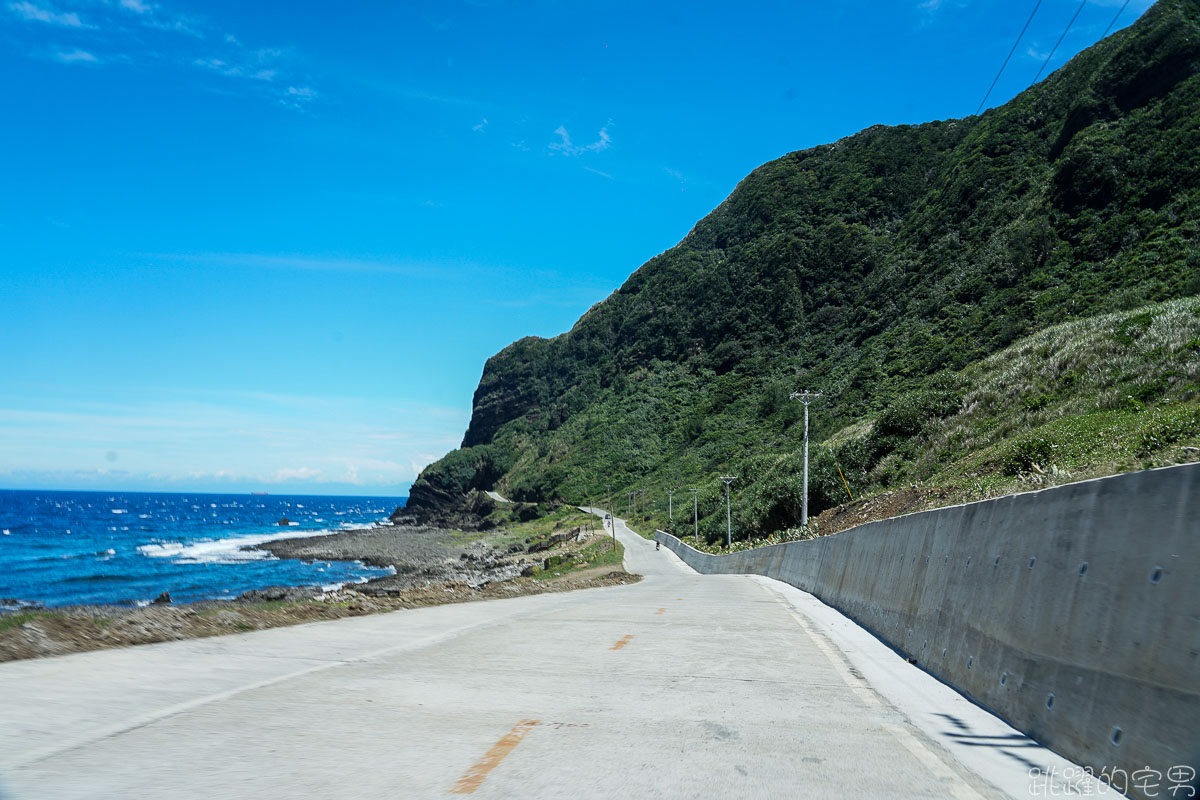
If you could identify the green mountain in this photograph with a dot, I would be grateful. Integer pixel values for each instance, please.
(883, 270)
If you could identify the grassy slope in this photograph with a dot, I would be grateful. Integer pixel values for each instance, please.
(885, 268)
(1080, 400)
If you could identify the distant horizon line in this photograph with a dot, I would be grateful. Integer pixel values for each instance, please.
(246, 493)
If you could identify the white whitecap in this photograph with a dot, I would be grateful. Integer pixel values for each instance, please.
(7, 532)
(120, 511)
(220, 551)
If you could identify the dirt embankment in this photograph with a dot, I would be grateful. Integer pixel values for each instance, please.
(881, 506)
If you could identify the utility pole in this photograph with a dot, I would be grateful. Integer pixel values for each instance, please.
(670, 510)
(805, 397)
(695, 515)
(728, 514)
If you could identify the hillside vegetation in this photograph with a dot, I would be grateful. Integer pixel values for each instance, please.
(919, 276)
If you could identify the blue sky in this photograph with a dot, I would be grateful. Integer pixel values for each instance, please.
(269, 246)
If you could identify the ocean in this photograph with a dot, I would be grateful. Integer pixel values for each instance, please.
(125, 548)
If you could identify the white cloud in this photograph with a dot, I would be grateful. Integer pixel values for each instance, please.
(481, 127)
(598, 172)
(296, 474)
(565, 144)
(33, 13)
(76, 57)
(568, 147)
(260, 66)
(250, 438)
(127, 25)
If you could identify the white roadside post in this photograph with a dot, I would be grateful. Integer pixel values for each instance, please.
(805, 397)
(670, 510)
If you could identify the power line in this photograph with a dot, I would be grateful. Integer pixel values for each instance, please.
(1114, 22)
(1060, 40)
(1010, 55)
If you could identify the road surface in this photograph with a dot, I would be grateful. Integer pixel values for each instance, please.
(680, 685)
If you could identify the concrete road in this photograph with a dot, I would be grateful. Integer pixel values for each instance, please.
(678, 686)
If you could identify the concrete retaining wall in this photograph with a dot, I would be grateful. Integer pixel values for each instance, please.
(1072, 612)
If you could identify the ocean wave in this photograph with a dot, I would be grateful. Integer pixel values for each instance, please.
(103, 576)
(120, 511)
(233, 550)
(103, 555)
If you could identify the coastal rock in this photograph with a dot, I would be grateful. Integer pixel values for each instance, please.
(15, 604)
(163, 599)
(274, 594)
(285, 522)
(432, 506)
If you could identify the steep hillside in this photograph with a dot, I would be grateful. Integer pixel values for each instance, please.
(875, 269)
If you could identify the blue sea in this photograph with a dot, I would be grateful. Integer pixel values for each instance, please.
(123, 548)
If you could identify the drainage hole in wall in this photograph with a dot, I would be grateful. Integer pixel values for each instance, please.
(1050, 700)
(1156, 575)
(1083, 568)
(943, 653)
(1003, 678)
(1032, 561)
(996, 563)
(970, 662)
(968, 562)
(946, 560)
(924, 643)
(1116, 735)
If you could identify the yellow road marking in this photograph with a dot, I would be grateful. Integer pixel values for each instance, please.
(471, 779)
(624, 640)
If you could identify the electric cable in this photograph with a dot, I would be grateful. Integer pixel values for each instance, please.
(1060, 40)
(1010, 55)
(1114, 21)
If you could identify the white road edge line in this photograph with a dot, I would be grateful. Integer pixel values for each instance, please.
(929, 704)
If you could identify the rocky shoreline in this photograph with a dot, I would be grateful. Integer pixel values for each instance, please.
(421, 557)
(434, 566)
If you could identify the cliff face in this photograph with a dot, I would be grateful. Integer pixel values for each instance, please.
(506, 392)
(874, 267)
